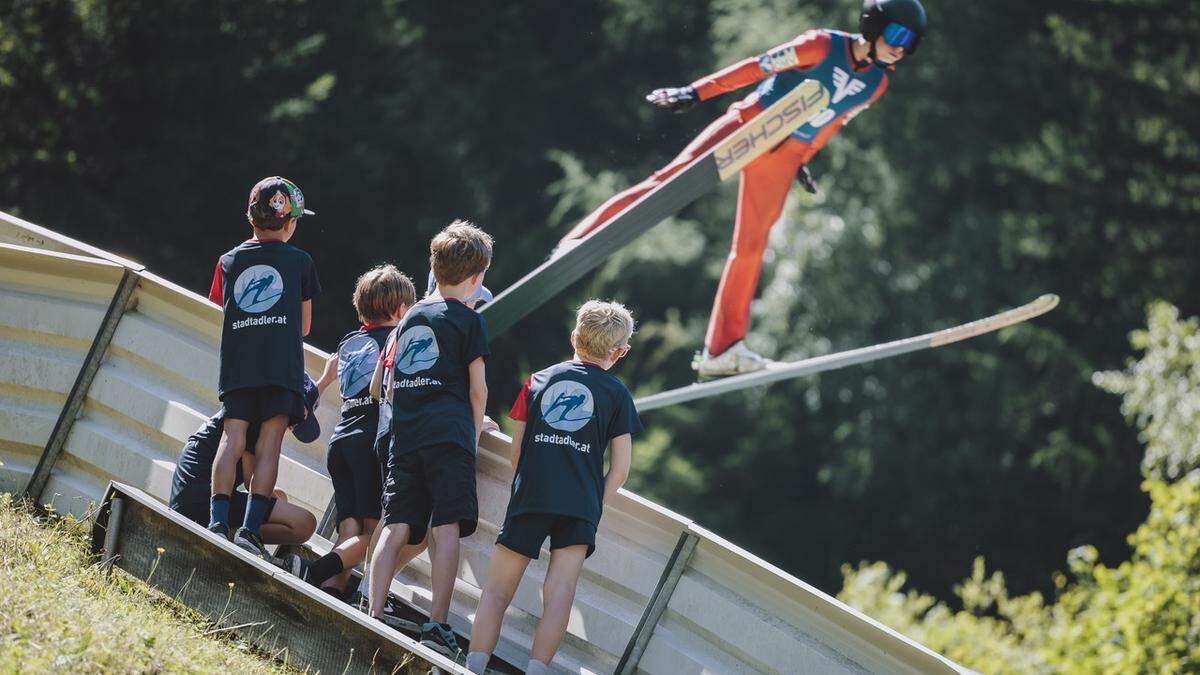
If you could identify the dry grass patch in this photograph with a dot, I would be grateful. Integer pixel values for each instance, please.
(59, 612)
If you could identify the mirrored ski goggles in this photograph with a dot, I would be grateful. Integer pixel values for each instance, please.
(899, 36)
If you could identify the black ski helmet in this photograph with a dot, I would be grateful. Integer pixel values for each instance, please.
(877, 14)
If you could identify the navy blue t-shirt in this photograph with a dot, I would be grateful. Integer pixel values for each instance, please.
(261, 285)
(358, 353)
(192, 480)
(571, 412)
(431, 402)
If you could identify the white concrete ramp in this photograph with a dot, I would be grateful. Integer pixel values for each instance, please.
(106, 368)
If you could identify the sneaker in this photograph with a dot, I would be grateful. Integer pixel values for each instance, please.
(251, 543)
(219, 529)
(736, 360)
(394, 622)
(294, 565)
(439, 638)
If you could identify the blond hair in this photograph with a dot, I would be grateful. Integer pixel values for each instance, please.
(601, 327)
(380, 292)
(459, 252)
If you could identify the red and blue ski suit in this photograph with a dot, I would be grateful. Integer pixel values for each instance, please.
(822, 55)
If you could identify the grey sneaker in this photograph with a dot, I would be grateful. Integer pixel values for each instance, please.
(251, 543)
(219, 529)
(394, 622)
(294, 565)
(439, 638)
(736, 360)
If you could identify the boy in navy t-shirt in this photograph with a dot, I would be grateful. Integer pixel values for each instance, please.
(265, 287)
(191, 482)
(565, 416)
(438, 398)
(381, 297)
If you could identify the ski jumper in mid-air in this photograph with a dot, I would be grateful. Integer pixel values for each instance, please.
(854, 68)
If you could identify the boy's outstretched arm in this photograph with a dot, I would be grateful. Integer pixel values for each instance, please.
(384, 362)
(477, 372)
(329, 376)
(376, 385)
(305, 317)
(619, 462)
(518, 435)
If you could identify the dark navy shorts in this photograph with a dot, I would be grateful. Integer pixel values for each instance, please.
(354, 468)
(259, 404)
(429, 487)
(526, 532)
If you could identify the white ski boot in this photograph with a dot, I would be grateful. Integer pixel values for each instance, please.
(736, 360)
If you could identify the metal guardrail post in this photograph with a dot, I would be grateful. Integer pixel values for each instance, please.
(83, 382)
(684, 548)
(112, 532)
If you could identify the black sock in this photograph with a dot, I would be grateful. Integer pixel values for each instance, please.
(256, 512)
(324, 568)
(219, 510)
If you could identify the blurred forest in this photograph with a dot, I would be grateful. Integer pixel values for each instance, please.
(1031, 146)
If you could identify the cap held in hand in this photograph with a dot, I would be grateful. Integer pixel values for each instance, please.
(308, 429)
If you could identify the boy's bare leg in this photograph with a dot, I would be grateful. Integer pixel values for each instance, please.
(392, 539)
(444, 561)
(503, 576)
(229, 453)
(406, 555)
(262, 485)
(558, 592)
(348, 528)
(266, 455)
(288, 523)
(224, 472)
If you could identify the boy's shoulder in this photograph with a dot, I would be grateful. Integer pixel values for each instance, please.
(587, 373)
(351, 335)
(377, 333)
(440, 308)
(279, 248)
(236, 249)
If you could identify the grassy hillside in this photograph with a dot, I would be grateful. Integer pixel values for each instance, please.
(60, 613)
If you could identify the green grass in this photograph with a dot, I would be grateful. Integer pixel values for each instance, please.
(59, 612)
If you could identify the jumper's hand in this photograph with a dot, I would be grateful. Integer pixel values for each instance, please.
(674, 99)
(806, 180)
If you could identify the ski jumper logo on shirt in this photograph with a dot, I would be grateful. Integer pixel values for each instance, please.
(416, 350)
(257, 289)
(356, 363)
(567, 406)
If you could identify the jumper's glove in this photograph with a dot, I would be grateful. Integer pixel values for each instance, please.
(674, 99)
(806, 180)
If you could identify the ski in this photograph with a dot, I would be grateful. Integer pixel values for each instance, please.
(763, 132)
(788, 370)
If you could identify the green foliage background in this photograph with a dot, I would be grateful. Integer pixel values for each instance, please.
(1140, 616)
(1030, 147)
